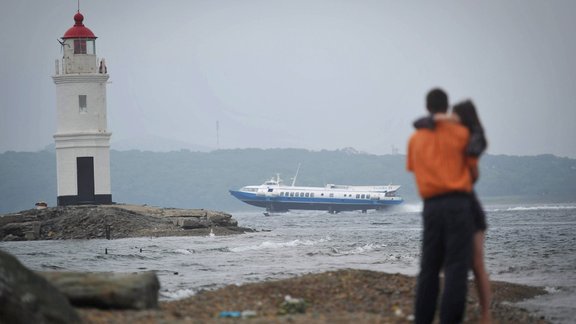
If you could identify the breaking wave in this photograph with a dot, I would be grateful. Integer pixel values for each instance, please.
(267, 245)
(530, 208)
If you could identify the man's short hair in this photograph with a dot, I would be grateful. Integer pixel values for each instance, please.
(437, 101)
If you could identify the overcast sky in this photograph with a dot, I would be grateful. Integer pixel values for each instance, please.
(314, 74)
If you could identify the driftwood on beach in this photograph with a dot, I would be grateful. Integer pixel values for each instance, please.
(26, 297)
(107, 290)
(48, 297)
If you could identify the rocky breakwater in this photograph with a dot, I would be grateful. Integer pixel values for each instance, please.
(114, 221)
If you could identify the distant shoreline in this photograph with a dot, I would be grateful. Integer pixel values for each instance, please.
(189, 179)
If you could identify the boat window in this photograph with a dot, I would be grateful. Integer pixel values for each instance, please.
(270, 189)
(307, 195)
(291, 194)
(367, 196)
(301, 194)
(331, 195)
(362, 196)
(311, 195)
(322, 194)
(357, 196)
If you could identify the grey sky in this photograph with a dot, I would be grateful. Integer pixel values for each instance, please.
(309, 74)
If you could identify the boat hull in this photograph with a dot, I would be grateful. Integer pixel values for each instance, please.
(334, 205)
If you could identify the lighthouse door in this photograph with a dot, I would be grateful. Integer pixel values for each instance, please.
(85, 169)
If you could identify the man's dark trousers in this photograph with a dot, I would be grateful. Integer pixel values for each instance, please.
(447, 243)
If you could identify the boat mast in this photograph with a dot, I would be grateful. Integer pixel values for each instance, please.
(296, 176)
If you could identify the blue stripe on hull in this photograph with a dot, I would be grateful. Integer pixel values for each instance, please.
(329, 204)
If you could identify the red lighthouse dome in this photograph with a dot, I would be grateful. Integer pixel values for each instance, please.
(78, 30)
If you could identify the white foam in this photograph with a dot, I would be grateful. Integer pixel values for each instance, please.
(362, 249)
(530, 208)
(267, 245)
(178, 294)
(410, 208)
(359, 249)
(544, 207)
(552, 290)
(183, 251)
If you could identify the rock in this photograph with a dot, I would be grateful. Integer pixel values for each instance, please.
(113, 222)
(108, 290)
(29, 236)
(292, 306)
(26, 297)
(11, 237)
(17, 229)
(221, 219)
(193, 222)
(232, 222)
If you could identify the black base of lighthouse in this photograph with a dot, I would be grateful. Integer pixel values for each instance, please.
(77, 200)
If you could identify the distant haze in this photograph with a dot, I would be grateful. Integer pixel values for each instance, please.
(314, 74)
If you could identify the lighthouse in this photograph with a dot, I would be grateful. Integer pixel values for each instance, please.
(82, 139)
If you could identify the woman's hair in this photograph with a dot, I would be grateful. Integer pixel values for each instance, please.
(468, 116)
(467, 112)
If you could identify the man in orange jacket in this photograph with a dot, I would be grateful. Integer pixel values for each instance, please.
(442, 171)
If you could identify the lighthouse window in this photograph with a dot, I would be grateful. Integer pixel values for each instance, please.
(79, 46)
(82, 103)
(90, 47)
(84, 46)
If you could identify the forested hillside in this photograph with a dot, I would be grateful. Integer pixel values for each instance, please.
(202, 180)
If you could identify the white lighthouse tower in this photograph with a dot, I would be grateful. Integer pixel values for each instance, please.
(82, 139)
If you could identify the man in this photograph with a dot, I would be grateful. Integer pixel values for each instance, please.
(442, 171)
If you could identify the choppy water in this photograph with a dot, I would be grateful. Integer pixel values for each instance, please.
(534, 245)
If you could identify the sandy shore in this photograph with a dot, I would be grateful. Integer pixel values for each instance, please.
(344, 296)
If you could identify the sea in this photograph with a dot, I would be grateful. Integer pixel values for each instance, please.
(526, 244)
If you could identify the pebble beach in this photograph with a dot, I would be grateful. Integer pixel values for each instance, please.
(343, 296)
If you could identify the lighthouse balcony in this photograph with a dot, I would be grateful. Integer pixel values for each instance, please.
(80, 64)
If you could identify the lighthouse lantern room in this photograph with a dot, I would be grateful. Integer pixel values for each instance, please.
(82, 139)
